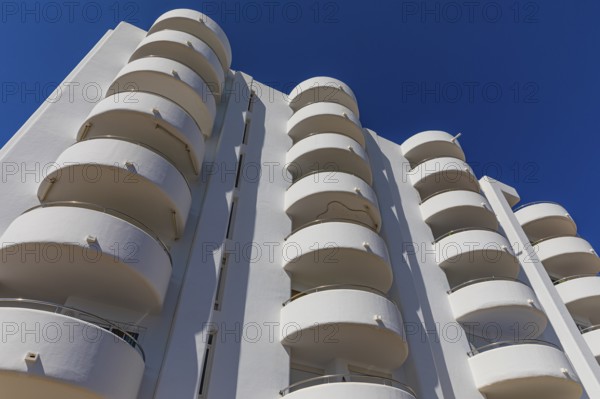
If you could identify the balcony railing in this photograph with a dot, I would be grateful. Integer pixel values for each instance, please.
(320, 221)
(108, 211)
(452, 232)
(501, 344)
(481, 280)
(89, 318)
(589, 329)
(564, 279)
(335, 287)
(535, 203)
(341, 378)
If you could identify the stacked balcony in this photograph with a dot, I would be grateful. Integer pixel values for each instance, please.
(331, 196)
(109, 211)
(500, 314)
(570, 261)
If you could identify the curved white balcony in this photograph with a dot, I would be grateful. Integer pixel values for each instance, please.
(332, 195)
(470, 254)
(541, 220)
(442, 174)
(349, 323)
(328, 151)
(150, 120)
(457, 209)
(498, 309)
(52, 355)
(325, 118)
(323, 89)
(343, 386)
(188, 50)
(123, 176)
(338, 252)
(172, 80)
(58, 252)
(581, 295)
(431, 144)
(199, 25)
(592, 338)
(525, 370)
(567, 256)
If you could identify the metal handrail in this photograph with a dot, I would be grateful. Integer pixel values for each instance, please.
(481, 280)
(502, 344)
(108, 211)
(146, 146)
(432, 158)
(564, 279)
(134, 343)
(536, 242)
(452, 232)
(341, 378)
(320, 221)
(335, 287)
(590, 328)
(315, 172)
(445, 191)
(535, 203)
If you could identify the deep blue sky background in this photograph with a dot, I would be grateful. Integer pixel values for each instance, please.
(527, 72)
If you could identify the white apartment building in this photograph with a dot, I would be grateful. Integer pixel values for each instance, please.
(192, 233)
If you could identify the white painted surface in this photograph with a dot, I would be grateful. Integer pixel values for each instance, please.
(582, 297)
(123, 176)
(567, 256)
(526, 371)
(499, 310)
(188, 50)
(76, 359)
(325, 118)
(153, 121)
(172, 80)
(329, 151)
(350, 390)
(332, 195)
(335, 253)
(441, 174)
(199, 25)
(543, 220)
(46, 256)
(323, 89)
(341, 323)
(431, 144)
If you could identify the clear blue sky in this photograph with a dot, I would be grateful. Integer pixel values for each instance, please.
(519, 79)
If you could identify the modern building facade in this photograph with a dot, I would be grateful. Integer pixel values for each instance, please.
(171, 228)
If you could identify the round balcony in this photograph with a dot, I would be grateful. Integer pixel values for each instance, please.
(429, 145)
(498, 309)
(58, 251)
(47, 353)
(581, 295)
(592, 338)
(200, 26)
(541, 220)
(323, 89)
(152, 121)
(187, 50)
(342, 386)
(337, 252)
(123, 176)
(470, 254)
(527, 369)
(457, 209)
(325, 118)
(442, 174)
(172, 80)
(354, 323)
(328, 151)
(567, 256)
(332, 195)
